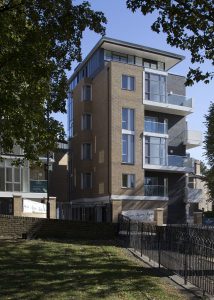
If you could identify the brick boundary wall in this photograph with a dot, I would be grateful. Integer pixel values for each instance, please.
(24, 227)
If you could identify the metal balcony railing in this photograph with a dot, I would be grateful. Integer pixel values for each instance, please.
(155, 190)
(156, 127)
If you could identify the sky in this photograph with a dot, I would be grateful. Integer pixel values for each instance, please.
(136, 28)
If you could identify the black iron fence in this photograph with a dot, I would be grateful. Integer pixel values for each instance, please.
(185, 250)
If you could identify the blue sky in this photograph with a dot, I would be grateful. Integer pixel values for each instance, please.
(135, 28)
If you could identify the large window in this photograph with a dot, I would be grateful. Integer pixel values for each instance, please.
(155, 149)
(86, 93)
(128, 148)
(128, 82)
(86, 181)
(128, 135)
(13, 179)
(86, 121)
(10, 177)
(155, 87)
(128, 181)
(86, 151)
(128, 119)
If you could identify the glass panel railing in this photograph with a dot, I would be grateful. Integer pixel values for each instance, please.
(179, 100)
(155, 190)
(156, 127)
(38, 186)
(171, 160)
(180, 161)
(173, 99)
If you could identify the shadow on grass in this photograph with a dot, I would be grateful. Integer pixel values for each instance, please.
(70, 270)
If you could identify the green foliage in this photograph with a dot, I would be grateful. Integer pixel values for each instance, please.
(39, 40)
(188, 25)
(209, 148)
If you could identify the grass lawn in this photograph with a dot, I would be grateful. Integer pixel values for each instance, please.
(79, 270)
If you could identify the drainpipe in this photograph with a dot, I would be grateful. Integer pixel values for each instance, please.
(109, 124)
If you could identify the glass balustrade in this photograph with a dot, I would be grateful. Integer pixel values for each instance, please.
(155, 190)
(173, 99)
(179, 100)
(156, 127)
(171, 160)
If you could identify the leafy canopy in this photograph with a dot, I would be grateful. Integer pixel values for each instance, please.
(209, 148)
(188, 25)
(38, 42)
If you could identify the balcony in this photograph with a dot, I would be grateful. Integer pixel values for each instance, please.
(172, 163)
(155, 190)
(155, 127)
(179, 100)
(193, 195)
(172, 104)
(189, 138)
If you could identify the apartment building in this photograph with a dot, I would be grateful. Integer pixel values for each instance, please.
(128, 133)
(24, 187)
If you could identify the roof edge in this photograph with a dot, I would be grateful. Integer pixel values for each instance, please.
(125, 44)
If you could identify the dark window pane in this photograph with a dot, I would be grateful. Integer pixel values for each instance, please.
(124, 81)
(9, 174)
(87, 93)
(124, 179)
(131, 87)
(124, 118)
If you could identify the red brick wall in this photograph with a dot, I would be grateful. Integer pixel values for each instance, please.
(15, 227)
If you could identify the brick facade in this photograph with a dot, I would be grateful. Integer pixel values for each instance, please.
(18, 227)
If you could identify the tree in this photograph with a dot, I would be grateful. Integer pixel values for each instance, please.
(209, 148)
(38, 42)
(189, 25)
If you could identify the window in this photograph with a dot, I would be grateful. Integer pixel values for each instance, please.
(86, 181)
(107, 55)
(119, 57)
(128, 135)
(128, 119)
(155, 87)
(86, 151)
(13, 179)
(150, 64)
(128, 181)
(155, 149)
(86, 121)
(128, 82)
(86, 93)
(128, 148)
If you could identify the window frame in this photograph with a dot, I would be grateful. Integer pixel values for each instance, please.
(162, 98)
(129, 180)
(82, 121)
(83, 152)
(83, 93)
(128, 135)
(128, 88)
(82, 181)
